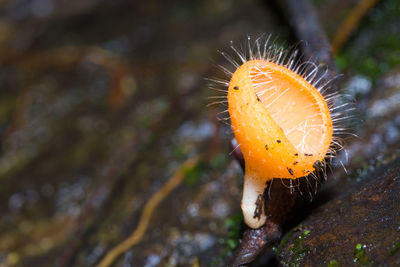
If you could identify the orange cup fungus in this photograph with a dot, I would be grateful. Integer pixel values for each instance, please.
(282, 124)
(280, 120)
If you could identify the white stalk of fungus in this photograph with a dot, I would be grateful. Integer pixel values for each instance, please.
(253, 202)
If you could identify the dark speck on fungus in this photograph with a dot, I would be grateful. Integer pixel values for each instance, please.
(260, 207)
(236, 87)
(278, 141)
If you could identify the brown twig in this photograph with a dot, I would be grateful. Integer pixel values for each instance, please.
(147, 212)
(351, 22)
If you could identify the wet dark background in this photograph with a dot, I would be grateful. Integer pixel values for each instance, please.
(102, 101)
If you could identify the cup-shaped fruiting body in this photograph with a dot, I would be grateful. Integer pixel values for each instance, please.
(282, 124)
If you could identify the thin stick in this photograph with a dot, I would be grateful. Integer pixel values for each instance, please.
(351, 22)
(147, 212)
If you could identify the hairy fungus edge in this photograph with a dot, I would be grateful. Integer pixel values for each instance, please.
(264, 48)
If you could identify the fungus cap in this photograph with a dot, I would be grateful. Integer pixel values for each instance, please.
(280, 120)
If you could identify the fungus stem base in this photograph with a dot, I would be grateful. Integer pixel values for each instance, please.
(253, 202)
